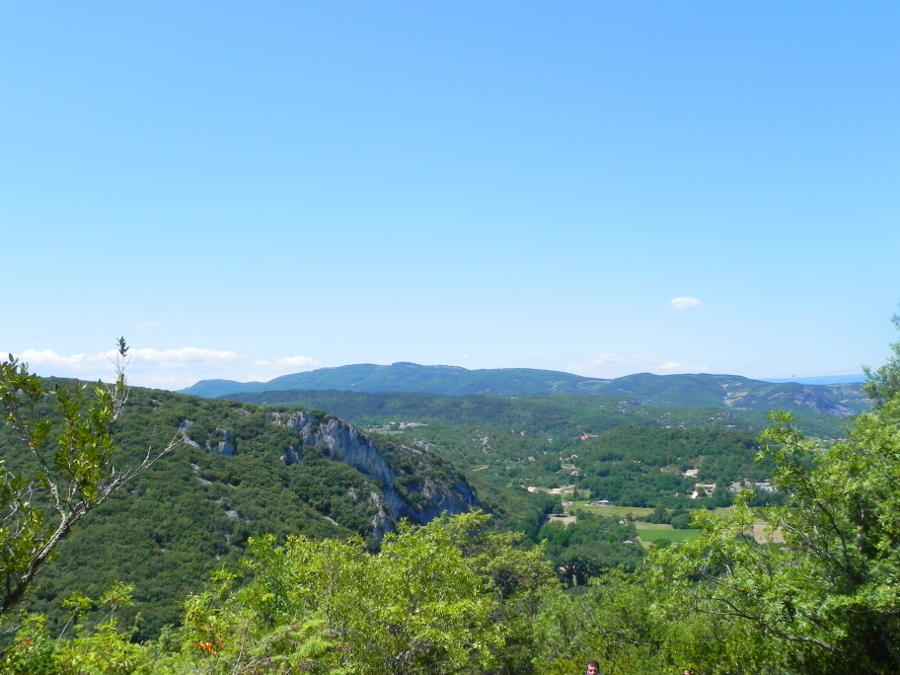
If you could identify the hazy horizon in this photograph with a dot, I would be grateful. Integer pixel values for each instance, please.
(110, 357)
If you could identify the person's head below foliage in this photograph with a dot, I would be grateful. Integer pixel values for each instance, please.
(593, 668)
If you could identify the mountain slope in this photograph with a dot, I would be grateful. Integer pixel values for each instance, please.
(403, 376)
(735, 392)
(241, 470)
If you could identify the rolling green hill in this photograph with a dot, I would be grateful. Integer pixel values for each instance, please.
(730, 392)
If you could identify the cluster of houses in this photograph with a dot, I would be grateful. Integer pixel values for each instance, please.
(761, 485)
(707, 489)
(565, 490)
(699, 490)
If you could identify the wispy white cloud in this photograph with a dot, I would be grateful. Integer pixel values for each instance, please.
(147, 325)
(76, 363)
(183, 355)
(165, 368)
(290, 362)
(609, 366)
(684, 302)
(673, 367)
(618, 360)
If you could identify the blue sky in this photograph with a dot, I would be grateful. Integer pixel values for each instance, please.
(247, 190)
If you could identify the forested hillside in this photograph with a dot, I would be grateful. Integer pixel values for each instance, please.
(534, 414)
(296, 512)
(238, 470)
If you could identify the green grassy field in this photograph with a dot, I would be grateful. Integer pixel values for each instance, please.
(651, 533)
(622, 511)
(642, 525)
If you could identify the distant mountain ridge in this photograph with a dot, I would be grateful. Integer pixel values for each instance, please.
(407, 377)
(855, 378)
(676, 391)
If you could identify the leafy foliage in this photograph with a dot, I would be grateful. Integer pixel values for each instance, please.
(590, 546)
(66, 468)
(818, 588)
(444, 597)
(883, 384)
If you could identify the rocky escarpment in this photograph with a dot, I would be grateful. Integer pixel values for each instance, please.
(415, 485)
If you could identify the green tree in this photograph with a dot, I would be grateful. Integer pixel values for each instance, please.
(812, 586)
(611, 621)
(884, 384)
(62, 468)
(446, 597)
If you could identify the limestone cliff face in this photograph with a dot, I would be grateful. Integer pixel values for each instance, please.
(409, 489)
